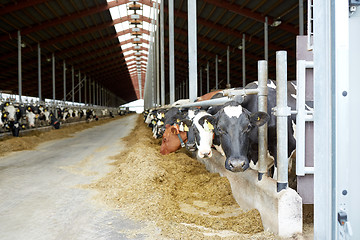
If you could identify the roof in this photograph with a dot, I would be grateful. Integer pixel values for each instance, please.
(87, 36)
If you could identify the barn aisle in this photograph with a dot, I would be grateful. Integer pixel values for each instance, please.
(40, 197)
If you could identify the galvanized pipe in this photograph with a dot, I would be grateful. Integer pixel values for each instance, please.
(157, 49)
(200, 82)
(90, 97)
(171, 51)
(282, 113)
(207, 77)
(80, 87)
(73, 84)
(162, 51)
(39, 72)
(266, 41)
(85, 90)
(94, 95)
(243, 62)
(228, 67)
(192, 49)
(262, 106)
(19, 67)
(216, 72)
(53, 76)
(64, 79)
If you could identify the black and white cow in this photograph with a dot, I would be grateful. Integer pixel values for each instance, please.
(236, 124)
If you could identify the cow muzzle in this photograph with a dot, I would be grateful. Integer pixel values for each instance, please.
(236, 164)
(191, 147)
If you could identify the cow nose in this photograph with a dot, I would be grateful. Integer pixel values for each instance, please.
(191, 147)
(236, 165)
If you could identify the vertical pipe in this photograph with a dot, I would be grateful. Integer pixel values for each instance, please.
(80, 84)
(282, 113)
(53, 76)
(64, 79)
(19, 67)
(266, 40)
(162, 49)
(85, 91)
(90, 93)
(262, 106)
(200, 82)
(94, 95)
(39, 72)
(184, 89)
(97, 93)
(301, 17)
(192, 47)
(72, 85)
(243, 62)
(157, 48)
(207, 77)
(171, 51)
(216, 72)
(228, 67)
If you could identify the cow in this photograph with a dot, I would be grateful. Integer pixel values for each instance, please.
(236, 125)
(14, 118)
(172, 139)
(54, 121)
(44, 115)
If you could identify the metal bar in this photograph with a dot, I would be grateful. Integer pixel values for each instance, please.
(282, 113)
(73, 84)
(80, 87)
(39, 72)
(157, 48)
(266, 40)
(162, 50)
(301, 17)
(53, 76)
(228, 67)
(85, 91)
(171, 51)
(94, 92)
(19, 67)
(243, 62)
(64, 79)
(192, 49)
(300, 117)
(216, 72)
(207, 77)
(90, 92)
(200, 82)
(262, 106)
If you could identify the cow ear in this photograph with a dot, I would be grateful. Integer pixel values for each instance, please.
(259, 118)
(173, 130)
(209, 119)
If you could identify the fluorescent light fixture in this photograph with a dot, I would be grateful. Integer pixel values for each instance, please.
(276, 23)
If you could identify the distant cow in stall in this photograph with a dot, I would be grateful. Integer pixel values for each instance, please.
(54, 121)
(30, 115)
(44, 115)
(13, 117)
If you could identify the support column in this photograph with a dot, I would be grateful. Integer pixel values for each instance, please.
(85, 91)
(192, 47)
(80, 83)
(39, 72)
(53, 76)
(64, 78)
(228, 67)
(162, 49)
(72, 85)
(243, 62)
(171, 52)
(90, 93)
(266, 41)
(207, 77)
(216, 72)
(19, 67)
(200, 82)
(157, 65)
(301, 17)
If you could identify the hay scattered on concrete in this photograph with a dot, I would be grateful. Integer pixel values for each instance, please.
(32, 139)
(176, 192)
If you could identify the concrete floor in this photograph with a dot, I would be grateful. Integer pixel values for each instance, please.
(39, 197)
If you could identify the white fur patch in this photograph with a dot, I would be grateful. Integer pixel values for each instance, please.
(271, 85)
(294, 85)
(233, 111)
(293, 95)
(294, 128)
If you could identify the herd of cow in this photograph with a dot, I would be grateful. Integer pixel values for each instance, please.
(231, 128)
(16, 116)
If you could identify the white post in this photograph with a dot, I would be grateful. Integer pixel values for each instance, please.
(200, 82)
(192, 48)
(207, 77)
(157, 48)
(19, 67)
(53, 76)
(39, 72)
(301, 17)
(243, 62)
(64, 79)
(80, 87)
(216, 72)
(171, 52)
(282, 113)
(162, 50)
(72, 85)
(266, 41)
(228, 67)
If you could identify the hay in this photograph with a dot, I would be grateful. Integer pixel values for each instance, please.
(176, 192)
(32, 139)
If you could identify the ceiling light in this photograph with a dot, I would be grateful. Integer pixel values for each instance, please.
(276, 23)
(240, 47)
(23, 45)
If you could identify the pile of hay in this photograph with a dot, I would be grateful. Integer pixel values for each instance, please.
(176, 192)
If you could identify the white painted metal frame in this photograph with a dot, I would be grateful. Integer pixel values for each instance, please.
(192, 49)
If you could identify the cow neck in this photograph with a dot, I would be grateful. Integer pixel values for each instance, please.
(178, 134)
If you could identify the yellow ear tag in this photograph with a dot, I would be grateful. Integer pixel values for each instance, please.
(7, 104)
(4, 115)
(18, 110)
(45, 110)
(162, 114)
(210, 126)
(178, 120)
(258, 119)
(186, 129)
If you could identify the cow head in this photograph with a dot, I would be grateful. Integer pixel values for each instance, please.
(234, 124)
(170, 141)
